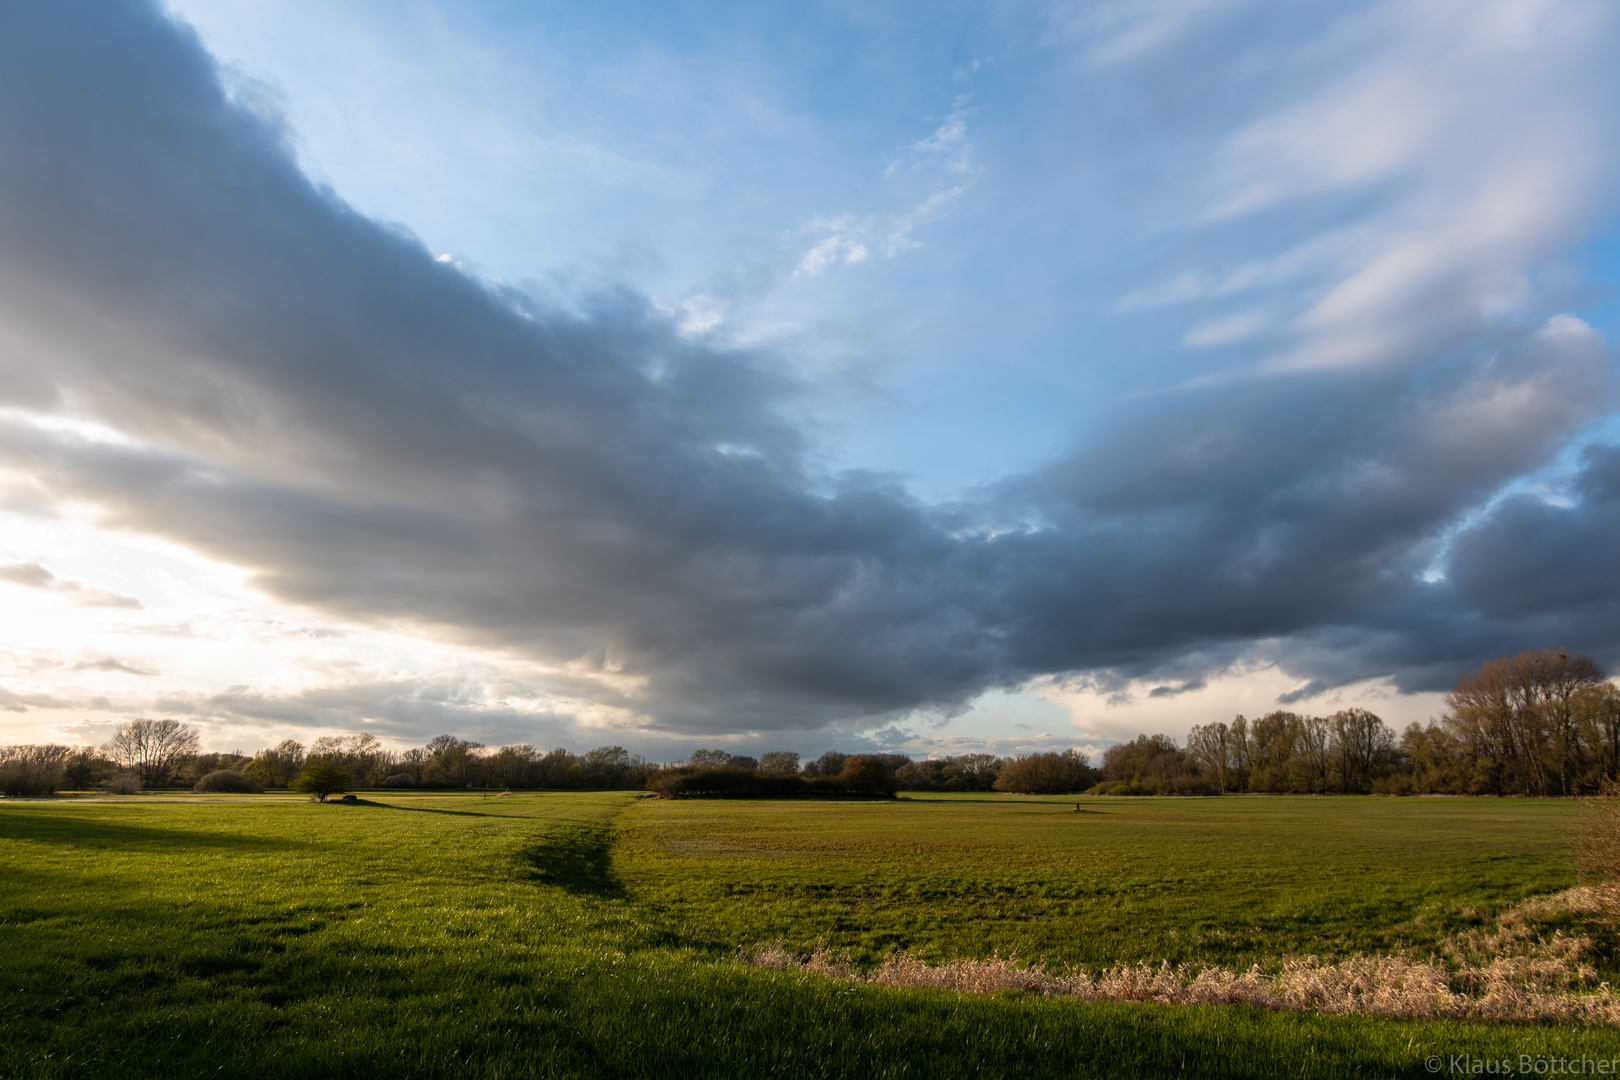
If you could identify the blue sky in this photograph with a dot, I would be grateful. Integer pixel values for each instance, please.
(954, 219)
(1190, 356)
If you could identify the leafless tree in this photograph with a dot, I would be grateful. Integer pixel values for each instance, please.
(1209, 753)
(1518, 716)
(1362, 743)
(154, 748)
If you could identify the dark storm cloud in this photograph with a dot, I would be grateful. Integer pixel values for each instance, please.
(1531, 560)
(310, 394)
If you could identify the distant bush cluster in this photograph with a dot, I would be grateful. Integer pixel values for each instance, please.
(1540, 723)
(778, 774)
(229, 781)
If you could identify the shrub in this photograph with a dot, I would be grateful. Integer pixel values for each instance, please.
(229, 781)
(321, 778)
(1047, 774)
(403, 779)
(32, 770)
(87, 768)
(123, 784)
(724, 782)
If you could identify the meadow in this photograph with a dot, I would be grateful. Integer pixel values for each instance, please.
(597, 934)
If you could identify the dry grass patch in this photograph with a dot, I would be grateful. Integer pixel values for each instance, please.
(1514, 973)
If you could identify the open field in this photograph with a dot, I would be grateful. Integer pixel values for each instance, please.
(594, 934)
(1229, 881)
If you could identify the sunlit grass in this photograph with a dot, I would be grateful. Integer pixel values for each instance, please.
(1224, 881)
(552, 934)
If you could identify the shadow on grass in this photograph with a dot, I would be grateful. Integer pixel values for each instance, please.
(76, 829)
(1054, 802)
(415, 809)
(576, 858)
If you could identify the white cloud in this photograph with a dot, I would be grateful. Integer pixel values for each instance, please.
(1117, 31)
(1224, 331)
(841, 248)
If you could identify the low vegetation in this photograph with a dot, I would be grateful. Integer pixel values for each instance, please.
(580, 934)
(228, 781)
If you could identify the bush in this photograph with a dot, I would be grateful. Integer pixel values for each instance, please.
(1047, 774)
(32, 770)
(86, 768)
(229, 781)
(724, 783)
(321, 778)
(124, 784)
(403, 779)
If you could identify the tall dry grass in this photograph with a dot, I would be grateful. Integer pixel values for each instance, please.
(1511, 974)
(1597, 847)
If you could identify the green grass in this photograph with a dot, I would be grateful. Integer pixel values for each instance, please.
(1226, 881)
(591, 934)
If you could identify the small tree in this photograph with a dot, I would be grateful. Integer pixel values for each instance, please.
(321, 778)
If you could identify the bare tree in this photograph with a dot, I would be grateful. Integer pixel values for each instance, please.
(1519, 718)
(154, 748)
(365, 758)
(1597, 712)
(1363, 743)
(1207, 751)
(1315, 762)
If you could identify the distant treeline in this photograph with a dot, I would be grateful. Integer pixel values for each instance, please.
(1540, 723)
(1544, 722)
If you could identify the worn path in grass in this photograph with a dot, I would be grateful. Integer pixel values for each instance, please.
(455, 936)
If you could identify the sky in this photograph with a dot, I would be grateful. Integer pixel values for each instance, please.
(919, 377)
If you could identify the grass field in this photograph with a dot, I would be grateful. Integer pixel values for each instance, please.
(588, 934)
(1228, 881)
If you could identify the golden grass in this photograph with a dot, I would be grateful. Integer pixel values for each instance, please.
(1512, 974)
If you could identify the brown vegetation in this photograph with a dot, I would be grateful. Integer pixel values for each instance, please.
(1047, 774)
(32, 770)
(228, 781)
(1597, 848)
(1515, 973)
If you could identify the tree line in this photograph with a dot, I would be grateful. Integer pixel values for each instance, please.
(1544, 722)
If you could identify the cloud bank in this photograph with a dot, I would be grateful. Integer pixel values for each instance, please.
(200, 344)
